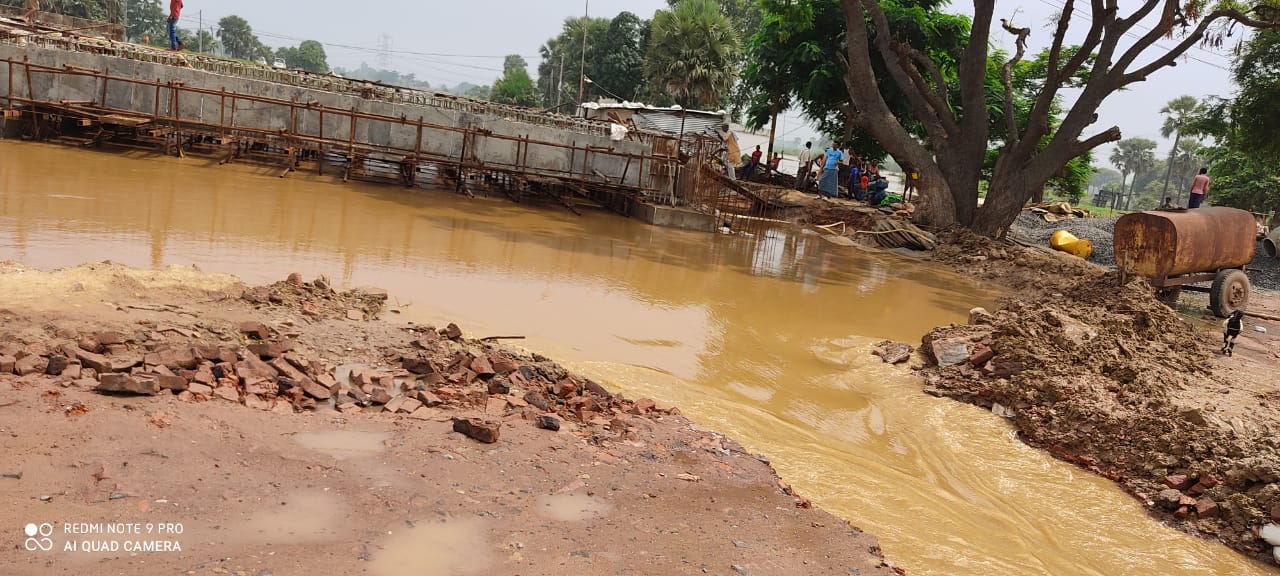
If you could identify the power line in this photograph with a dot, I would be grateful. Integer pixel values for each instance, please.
(1084, 13)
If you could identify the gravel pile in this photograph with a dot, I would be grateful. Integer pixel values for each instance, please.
(1037, 231)
(1264, 272)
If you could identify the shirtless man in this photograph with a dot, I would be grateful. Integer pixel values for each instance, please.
(33, 6)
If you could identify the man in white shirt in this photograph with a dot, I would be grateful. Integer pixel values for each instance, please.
(732, 153)
(806, 160)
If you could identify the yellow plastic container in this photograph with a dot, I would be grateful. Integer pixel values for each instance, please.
(1067, 242)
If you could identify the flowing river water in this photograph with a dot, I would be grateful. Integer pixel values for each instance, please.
(765, 338)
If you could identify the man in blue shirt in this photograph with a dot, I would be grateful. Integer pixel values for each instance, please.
(829, 184)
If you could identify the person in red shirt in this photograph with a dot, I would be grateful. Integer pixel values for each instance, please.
(755, 162)
(175, 10)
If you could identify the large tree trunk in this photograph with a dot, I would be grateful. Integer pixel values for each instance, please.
(934, 196)
(1007, 192)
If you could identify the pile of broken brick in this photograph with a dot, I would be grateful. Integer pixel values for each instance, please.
(318, 298)
(442, 371)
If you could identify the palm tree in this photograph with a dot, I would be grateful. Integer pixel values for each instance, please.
(1176, 113)
(692, 52)
(1133, 156)
(1120, 159)
(1190, 157)
(237, 37)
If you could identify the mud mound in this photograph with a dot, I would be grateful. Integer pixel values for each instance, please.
(854, 217)
(1107, 377)
(318, 299)
(1028, 271)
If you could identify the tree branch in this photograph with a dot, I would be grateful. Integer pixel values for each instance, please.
(1111, 134)
(1186, 44)
(939, 83)
(912, 85)
(1038, 118)
(1010, 112)
(973, 72)
(1059, 35)
(872, 113)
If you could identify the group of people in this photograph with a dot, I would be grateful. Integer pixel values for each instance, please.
(824, 170)
(732, 154)
(862, 178)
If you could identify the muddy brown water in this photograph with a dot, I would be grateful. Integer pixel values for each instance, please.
(765, 338)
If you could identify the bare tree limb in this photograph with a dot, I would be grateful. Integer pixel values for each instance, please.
(1059, 36)
(936, 98)
(1187, 43)
(939, 83)
(1006, 73)
(1111, 134)
(929, 116)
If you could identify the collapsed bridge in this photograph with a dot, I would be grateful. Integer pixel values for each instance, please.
(93, 91)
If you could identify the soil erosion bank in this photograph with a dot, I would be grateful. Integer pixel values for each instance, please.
(1107, 377)
(289, 430)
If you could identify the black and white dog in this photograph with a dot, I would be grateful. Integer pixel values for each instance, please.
(1234, 324)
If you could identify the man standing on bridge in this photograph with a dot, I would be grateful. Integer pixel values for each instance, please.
(33, 6)
(175, 10)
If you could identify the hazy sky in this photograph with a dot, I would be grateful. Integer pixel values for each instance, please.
(452, 42)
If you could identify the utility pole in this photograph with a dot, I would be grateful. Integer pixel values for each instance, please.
(200, 32)
(582, 63)
(560, 81)
(126, 20)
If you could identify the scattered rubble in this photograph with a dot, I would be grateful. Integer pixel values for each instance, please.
(1105, 376)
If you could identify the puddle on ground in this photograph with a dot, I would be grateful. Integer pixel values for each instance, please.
(451, 548)
(302, 517)
(572, 507)
(342, 444)
(343, 373)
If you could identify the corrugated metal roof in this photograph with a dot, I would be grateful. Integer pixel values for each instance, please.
(669, 122)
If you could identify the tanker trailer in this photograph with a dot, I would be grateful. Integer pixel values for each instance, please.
(1176, 249)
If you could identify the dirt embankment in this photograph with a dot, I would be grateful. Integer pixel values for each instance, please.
(1105, 376)
(292, 431)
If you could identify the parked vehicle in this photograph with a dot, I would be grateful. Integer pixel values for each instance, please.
(1176, 249)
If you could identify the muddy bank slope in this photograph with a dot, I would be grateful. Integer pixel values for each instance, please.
(289, 429)
(1103, 375)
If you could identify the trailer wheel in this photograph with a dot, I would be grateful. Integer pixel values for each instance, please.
(1230, 292)
(1169, 296)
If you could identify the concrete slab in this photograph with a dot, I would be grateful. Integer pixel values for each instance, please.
(671, 217)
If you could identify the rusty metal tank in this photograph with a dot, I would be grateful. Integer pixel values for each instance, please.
(1160, 244)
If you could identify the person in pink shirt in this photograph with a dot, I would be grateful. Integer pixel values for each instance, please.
(1199, 188)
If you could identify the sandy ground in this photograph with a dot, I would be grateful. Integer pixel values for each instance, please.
(254, 475)
(1102, 375)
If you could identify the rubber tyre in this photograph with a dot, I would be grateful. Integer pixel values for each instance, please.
(1169, 296)
(1230, 292)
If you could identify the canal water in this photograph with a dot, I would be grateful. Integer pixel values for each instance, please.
(763, 337)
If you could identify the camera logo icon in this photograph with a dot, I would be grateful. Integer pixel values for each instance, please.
(38, 537)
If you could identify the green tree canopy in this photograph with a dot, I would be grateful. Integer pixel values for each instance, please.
(692, 52)
(561, 67)
(1245, 158)
(619, 66)
(515, 86)
(1133, 156)
(308, 55)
